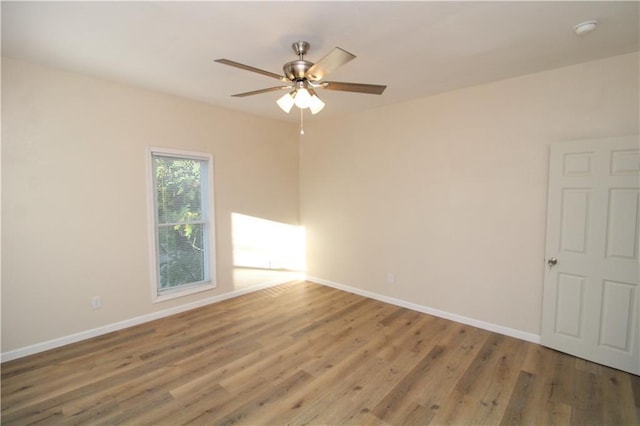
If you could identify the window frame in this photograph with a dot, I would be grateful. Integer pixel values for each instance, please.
(208, 221)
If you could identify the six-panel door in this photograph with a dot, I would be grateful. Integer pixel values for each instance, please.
(592, 294)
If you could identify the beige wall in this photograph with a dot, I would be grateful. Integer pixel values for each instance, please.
(449, 192)
(74, 195)
(446, 192)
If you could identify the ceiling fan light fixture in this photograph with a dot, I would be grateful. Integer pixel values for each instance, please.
(303, 98)
(315, 104)
(303, 77)
(286, 102)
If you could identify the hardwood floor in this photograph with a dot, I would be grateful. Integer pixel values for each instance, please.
(301, 353)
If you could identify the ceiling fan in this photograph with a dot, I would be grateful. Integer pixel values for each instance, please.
(303, 77)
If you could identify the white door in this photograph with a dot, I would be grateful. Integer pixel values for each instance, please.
(591, 293)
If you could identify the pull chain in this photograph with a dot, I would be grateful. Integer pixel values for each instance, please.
(301, 121)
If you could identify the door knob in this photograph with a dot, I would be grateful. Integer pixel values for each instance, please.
(552, 261)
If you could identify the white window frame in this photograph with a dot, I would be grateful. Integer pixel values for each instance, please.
(208, 216)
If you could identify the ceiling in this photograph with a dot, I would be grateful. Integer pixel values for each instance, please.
(415, 48)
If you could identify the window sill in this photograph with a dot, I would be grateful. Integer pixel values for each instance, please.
(185, 292)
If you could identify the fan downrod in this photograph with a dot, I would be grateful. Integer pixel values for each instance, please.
(296, 70)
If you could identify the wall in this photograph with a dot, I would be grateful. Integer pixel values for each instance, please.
(448, 192)
(74, 195)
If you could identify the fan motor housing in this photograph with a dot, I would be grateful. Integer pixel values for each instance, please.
(296, 70)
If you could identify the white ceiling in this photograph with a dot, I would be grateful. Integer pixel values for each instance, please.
(415, 48)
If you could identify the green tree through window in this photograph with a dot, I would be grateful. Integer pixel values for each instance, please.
(181, 220)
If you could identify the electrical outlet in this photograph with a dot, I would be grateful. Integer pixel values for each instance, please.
(391, 278)
(96, 302)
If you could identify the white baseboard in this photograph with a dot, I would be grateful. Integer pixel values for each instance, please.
(83, 335)
(94, 332)
(518, 334)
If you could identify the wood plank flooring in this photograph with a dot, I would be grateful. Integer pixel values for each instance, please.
(301, 353)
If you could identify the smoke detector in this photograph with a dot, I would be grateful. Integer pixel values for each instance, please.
(585, 27)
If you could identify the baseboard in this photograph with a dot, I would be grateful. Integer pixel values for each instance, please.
(94, 332)
(88, 334)
(518, 334)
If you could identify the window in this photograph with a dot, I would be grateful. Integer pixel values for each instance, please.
(182, 227)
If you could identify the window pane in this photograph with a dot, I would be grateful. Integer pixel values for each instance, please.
(178, 189)
(181, 254)
(182, 191)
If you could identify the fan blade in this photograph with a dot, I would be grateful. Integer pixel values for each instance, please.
(373, 89)
(250, 68)
(334, 59)
(257, 92)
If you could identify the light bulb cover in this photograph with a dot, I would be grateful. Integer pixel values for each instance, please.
(315, 104)
(286, 102)
(303, 98)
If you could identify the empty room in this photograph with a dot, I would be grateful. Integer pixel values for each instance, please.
(325, 213)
